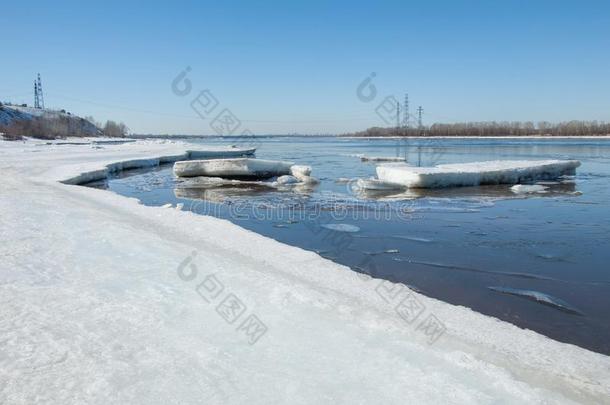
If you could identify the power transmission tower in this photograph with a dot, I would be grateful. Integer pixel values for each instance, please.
(406, 111)
(420, 111)
(39, 92)
(398, 114)
(36, 102)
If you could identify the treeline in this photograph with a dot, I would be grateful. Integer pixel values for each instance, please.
(493, 128)
(110, 128)
(48, 128)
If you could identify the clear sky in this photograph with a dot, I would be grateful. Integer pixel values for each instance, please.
(284, 67)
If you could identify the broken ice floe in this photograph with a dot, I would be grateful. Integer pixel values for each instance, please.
(232, 152)
(245, 169)
(341, 227)
(476, 173)
(382, 159)
(380, 252)
(528, 188)
(238, 168)
(376, 184)
(286, 179)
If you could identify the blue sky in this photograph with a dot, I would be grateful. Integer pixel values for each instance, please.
(284, 67)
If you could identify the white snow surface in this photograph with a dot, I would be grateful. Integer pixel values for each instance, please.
(476, 173)
(93, 311)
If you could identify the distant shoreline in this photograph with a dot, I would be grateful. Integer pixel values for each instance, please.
(138, 136)
(479, 137)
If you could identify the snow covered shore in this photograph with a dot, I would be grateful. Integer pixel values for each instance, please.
(100, 304)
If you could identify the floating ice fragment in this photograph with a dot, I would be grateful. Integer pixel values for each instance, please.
(539, 297)
(528, 188)
(231, 152)
(168, 205)
(300, 172)
(474, 270)
(309, 180)
(382, 159)
(388, 251)
(341, 227)
(375, 184)
(412, 238)
(286, 179)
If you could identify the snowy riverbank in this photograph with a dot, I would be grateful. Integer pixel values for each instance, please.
(98, 306)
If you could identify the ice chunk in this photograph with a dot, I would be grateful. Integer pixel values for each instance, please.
(476, 173)
(232, 168)
(382, 159)
(286, 179)
(540, 297)
(387, 251)
(226, 153)
(375, 184)
(300, 172)
(341, 227)
(309, 180)
(528, 188)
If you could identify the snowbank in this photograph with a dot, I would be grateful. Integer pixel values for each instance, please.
(98, 306)
(476, 173)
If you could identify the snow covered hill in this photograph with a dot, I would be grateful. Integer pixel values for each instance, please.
(17, 121)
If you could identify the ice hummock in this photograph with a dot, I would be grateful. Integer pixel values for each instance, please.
(476, 173)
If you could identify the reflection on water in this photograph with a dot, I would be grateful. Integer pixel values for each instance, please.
(501, 191)
(521, 257)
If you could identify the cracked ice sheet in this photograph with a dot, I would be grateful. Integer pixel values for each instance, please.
(92, 310)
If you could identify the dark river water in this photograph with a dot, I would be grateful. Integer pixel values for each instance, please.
(539, 261)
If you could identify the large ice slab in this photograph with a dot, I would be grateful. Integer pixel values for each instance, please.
(232, 152)
(232, 168)
(476, 173)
